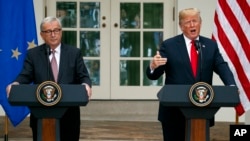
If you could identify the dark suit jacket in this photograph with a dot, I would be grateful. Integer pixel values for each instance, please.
(178, 68)
(72, 70)
(37, 69)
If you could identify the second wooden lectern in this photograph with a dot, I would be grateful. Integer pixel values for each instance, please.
(48, 116)
(197, 118)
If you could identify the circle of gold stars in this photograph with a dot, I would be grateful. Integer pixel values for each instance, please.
(16, 53)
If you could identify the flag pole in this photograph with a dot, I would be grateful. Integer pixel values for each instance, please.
(236, 118)
(6, 128)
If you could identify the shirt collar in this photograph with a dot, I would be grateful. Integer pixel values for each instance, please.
(58, 49)
(187, 40)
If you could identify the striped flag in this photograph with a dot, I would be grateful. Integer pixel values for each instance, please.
(232, 33)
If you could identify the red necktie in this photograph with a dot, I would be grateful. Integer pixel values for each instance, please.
(194, 58)
(54, 65)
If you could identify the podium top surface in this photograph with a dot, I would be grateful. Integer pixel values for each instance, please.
(25, 95)
(178, 95)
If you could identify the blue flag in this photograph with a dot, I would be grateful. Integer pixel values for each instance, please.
(17, 35)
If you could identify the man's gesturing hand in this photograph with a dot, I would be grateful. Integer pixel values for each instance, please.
(157, 61)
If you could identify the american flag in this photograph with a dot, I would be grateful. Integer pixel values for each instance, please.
(232, 33)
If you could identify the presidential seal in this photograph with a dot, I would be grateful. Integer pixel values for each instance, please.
(201, 94)
(48, 93)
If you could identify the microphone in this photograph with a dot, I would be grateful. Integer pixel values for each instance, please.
(198, 46)
(48, 52)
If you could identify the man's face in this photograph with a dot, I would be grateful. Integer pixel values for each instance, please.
(190, 26)
(52, 34)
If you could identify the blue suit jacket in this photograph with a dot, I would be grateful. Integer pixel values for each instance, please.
(178, 68)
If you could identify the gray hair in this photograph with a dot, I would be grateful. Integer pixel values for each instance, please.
(48, 20)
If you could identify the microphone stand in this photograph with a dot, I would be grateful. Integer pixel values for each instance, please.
(198, 47)
(48, 53)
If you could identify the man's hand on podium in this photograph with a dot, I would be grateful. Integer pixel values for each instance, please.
(9, 87)
(89, 90)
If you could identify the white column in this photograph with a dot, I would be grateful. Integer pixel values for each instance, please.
(247, 117)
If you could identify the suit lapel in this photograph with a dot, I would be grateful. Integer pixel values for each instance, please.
(62, 66)
(184, 53)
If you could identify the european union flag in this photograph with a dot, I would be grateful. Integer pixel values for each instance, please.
(17, 35)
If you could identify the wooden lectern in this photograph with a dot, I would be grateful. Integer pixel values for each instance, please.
(197, 118)
(48, 116)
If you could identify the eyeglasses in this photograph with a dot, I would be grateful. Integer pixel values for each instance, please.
(55, 31)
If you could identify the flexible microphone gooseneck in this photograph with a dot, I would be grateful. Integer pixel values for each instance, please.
(48, 52)
(198, 48)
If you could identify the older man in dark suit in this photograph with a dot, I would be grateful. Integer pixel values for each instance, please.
(173, 59)
(71, 70)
